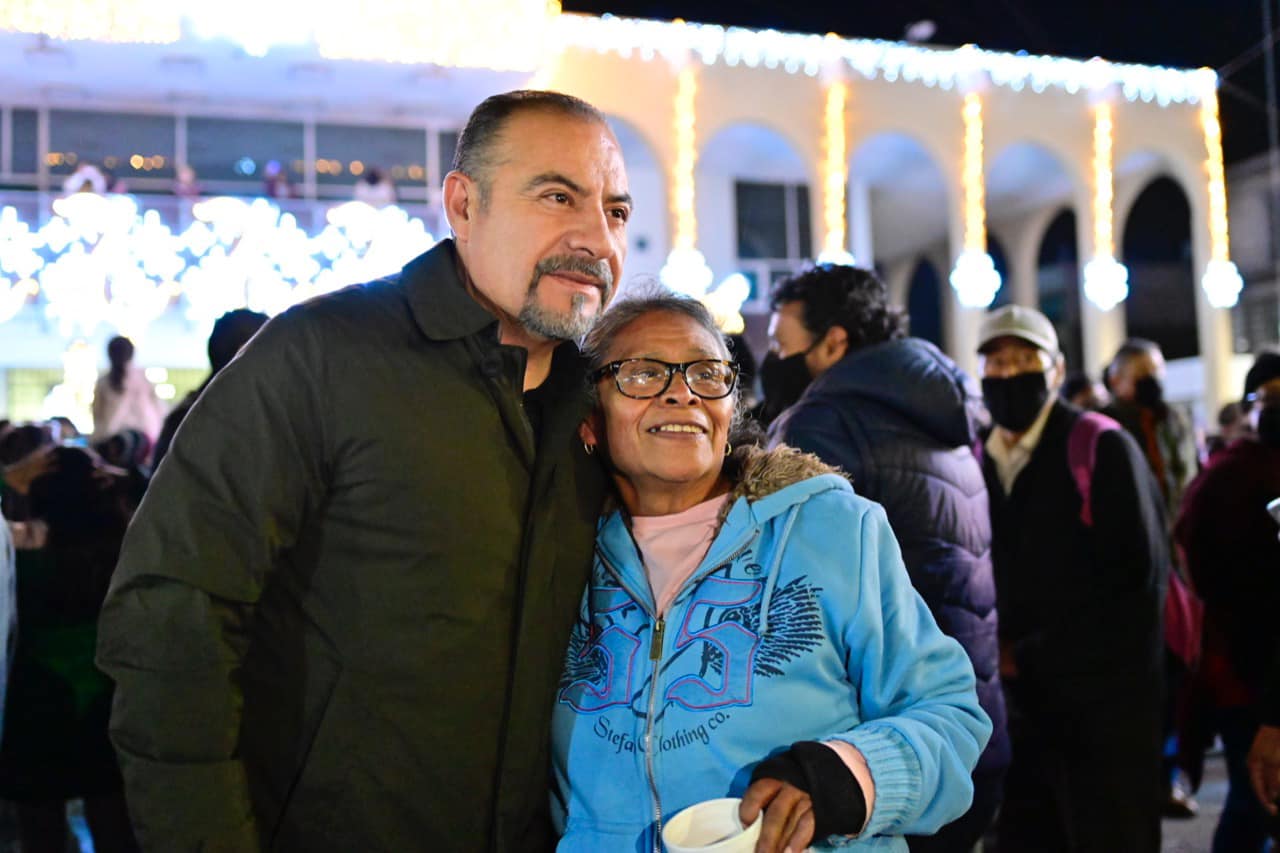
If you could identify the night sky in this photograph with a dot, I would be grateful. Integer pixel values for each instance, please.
(1180, 33)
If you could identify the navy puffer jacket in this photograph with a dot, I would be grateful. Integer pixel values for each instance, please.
(902, 420)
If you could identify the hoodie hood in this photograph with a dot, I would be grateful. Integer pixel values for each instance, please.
(912, 378)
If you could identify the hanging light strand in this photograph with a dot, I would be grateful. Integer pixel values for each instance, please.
(836, 172)
(682, 194)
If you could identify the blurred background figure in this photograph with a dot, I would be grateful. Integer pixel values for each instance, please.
(275, 181)
(375, 188)
(123, 398)
(185, 184)
(1082, 392)
(230, 333)
(1233, 423)
(54, 746)
(87, 178)
(1229, 540)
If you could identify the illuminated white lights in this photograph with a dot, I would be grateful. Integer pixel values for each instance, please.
(838, 257)
(974, 277)
(73, 396)
(127, 21)
(98, 261)
(1221, 282)
(835, 169)
(686, 269)
(1106, 280)
(725, 303)
(798, 53)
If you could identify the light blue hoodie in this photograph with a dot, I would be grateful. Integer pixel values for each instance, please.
(799, 624)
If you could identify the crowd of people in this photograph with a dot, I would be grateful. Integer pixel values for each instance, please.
(461, 560)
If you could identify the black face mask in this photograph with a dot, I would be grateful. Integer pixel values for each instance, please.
(1015, 401)
(783, 380)
(1149, 393)
(1269, 426)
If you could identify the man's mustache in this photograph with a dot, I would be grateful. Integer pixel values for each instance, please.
(598, 270)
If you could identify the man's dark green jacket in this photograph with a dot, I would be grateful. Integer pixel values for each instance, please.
(341, 610)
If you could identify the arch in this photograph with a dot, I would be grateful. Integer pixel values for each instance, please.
(924, 302)
(754, 205)
(649, 230)
(909, 200)
(1058, 284)
(1028, 175)
(1156, 246)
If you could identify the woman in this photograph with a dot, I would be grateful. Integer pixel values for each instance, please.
(123, 398)
(749, 629)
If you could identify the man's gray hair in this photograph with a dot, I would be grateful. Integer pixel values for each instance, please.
(474, 154)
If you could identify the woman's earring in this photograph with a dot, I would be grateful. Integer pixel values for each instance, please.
(728, 448)
(589, 448)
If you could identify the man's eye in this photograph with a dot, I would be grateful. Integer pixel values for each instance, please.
(620, 213)
(559, 198)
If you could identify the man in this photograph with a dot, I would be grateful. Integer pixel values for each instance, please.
(230, 333)
(1229, 539)
(340, 614)
(1079, 588)
(901, 419)
(1136, 378)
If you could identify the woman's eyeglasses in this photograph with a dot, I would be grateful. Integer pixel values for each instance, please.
(645, 378)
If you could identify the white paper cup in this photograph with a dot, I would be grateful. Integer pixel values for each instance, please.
(711, 826)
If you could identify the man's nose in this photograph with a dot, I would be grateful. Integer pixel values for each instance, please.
(591, 235)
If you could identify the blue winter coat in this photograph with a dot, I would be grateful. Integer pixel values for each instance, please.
(902, 419)
(799, 624)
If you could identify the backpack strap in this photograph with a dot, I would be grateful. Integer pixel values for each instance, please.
(1082, 453)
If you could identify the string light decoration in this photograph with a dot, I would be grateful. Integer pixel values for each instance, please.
(835, 175)
(1106, 281)
(974, 277)
(797, 53)
(1221, 282)
(125, 21)
(100, 260)
(686, 270)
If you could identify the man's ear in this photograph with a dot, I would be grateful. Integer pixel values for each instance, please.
(461, 201)
(832, 347)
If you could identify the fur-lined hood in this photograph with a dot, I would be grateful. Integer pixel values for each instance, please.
(758, 473)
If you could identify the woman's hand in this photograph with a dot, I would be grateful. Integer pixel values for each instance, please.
(788, 815)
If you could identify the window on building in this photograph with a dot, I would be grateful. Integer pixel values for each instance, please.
(345, 153)
(127, 145)
(773, 221)
(224, 149)
(26, 153)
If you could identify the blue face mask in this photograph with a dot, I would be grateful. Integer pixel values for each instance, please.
(1015, 401)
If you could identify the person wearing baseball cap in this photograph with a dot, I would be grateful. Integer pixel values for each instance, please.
(1079, 588)
(1229, 539)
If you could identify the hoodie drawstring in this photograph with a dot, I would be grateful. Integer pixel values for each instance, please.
(772, 580)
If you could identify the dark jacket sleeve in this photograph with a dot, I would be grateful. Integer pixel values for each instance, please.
(232, 494)
(1115, 624)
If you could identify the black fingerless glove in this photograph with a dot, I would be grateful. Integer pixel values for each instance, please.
(839, 807)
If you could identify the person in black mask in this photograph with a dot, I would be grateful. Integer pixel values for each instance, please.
(899, 417)
(1136, 377)
(1079, 570)
(1233, 556)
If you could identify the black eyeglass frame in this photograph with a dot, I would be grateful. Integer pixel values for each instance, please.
(612, 368)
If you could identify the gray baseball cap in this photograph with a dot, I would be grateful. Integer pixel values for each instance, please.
(1015, 321)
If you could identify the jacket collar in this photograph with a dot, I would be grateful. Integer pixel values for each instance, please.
(442, 307)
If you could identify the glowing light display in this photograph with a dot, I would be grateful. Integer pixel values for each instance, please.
(686, 270)
(1106, 281)
(131, 21)
(725, 303)
(974, 277)
(835, 171)
(99, 260)
(1221, 282)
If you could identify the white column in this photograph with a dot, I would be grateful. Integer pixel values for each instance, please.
(897, 279)
(860, 242)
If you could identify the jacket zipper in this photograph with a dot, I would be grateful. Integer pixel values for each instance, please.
(655, 658)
